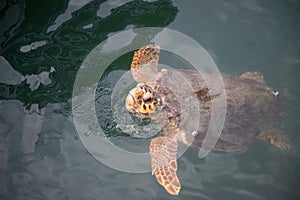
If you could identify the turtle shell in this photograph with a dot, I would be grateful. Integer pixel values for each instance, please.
(251, 107)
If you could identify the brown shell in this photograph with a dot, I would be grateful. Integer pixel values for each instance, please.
(251, 108)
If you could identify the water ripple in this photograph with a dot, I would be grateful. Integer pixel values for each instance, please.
(30, 158)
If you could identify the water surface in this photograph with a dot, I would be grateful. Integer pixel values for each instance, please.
(42, 47)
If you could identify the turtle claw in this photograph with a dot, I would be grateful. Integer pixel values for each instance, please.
(281, 142)
(277, 138)
(283, 146)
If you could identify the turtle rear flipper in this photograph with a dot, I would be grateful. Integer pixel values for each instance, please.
(256, 76)
(275, 137)
(144, 65)
(163, 152)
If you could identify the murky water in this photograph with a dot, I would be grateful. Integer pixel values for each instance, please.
(42, 47)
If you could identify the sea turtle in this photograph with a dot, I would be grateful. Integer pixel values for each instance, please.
(252, 108)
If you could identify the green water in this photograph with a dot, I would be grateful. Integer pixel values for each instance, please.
(43, 44)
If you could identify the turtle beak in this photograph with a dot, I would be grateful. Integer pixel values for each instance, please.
(131, 103)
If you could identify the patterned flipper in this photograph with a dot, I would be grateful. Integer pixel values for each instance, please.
(144, 66)
(163, 152)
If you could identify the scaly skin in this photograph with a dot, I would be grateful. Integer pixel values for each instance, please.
(251, 110)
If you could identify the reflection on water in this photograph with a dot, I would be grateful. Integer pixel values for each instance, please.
(12, 14)
(66, 46)
(73, 6)
(44, 43)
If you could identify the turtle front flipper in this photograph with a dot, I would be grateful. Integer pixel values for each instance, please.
(275, 137)
(144, 65)
(163, 152)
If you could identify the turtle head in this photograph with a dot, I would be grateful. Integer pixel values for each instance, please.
(143, 100)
